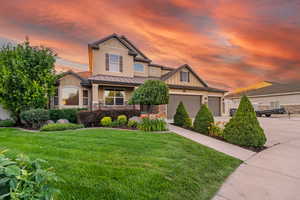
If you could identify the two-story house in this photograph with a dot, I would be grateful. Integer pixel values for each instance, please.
(117, 67)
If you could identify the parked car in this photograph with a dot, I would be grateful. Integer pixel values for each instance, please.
(260, 113)
(270, 112)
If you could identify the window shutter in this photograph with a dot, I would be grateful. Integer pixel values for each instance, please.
(188, 76)
(107, 62)
(121, 63)
(180, 76)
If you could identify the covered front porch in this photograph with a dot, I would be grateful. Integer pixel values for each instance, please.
(111, 96)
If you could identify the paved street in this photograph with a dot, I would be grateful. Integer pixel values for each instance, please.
(273, 173)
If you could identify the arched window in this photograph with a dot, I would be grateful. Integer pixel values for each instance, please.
(70, 96)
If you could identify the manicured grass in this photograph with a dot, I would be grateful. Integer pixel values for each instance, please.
(119, 164)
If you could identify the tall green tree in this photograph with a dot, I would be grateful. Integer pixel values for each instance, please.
(26, 76)
(152, 92)
(243, 128)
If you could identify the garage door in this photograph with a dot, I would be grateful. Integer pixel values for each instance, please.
(214, 104)
(191, 102)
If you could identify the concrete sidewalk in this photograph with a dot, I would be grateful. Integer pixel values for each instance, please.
(229, 149)
(273, 174)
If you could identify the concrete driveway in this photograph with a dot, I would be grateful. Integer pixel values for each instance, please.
(273, 173)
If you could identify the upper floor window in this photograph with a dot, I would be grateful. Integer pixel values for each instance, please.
(70, 96)
(114, 63)
(138, 67)
(184, 77)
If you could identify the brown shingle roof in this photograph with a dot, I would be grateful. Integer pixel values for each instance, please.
(275, 88)
(120, 80)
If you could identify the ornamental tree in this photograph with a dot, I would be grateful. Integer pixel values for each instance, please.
(181, 117)
(243, 128)
(27, 77)
(203, 120)
(152, 92)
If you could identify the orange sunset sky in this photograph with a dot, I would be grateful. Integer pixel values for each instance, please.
(230, 43)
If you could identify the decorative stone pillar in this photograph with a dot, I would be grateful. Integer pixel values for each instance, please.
(95, 96)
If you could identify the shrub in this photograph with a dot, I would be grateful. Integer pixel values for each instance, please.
(115, 123)
(106, 121)
(61, 127)
(132, 124)
(92, 118)
(34, 118)
(7, 123)
(243, 128)
(23, 178)
(203, 120)
(122, 120)
(69, 114)
(216, 130)
(181, 117)
(152, 125)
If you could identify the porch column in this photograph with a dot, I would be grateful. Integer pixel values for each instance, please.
(95, 96)
(205, 99)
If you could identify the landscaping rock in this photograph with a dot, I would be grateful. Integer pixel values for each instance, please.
(62, 121)
(50, 122)
(137, 119)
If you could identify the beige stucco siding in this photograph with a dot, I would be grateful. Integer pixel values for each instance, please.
(112, 46)
(175, 79)
(154, 71)
(4, 114)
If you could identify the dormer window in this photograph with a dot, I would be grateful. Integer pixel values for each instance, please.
(114, 63)
(138, 67)
(184, 76)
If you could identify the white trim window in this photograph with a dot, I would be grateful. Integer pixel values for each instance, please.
(70, 96)
(138, 67)
(184, 76)
(114, 63)
(114, 97)
(85, 97)
(56, 97)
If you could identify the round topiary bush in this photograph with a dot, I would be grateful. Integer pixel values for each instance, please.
(244, 129)
(122, 120)
(181, 117)
(203, 121)
(106, 121)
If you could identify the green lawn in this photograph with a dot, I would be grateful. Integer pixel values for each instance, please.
(111, 164)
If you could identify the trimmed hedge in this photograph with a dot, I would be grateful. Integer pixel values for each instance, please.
(68, 113)
(243, 128)
(92, 118)
(61, 127)
(181, 117)
(203, 120)
(34, 118)
(7, 123)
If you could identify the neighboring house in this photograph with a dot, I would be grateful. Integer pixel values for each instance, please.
(274, 95)
(4, 114)
(117, 67)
